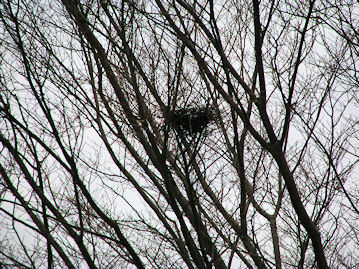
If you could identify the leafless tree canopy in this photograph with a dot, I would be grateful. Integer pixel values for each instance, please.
(179, 134)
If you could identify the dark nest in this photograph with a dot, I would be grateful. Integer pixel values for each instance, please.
(191, 121)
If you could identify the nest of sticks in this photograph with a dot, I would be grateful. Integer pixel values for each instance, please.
(191, 121)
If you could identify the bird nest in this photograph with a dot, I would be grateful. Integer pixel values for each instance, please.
(191, 121)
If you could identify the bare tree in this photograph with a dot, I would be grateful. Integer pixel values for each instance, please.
(172, 134)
